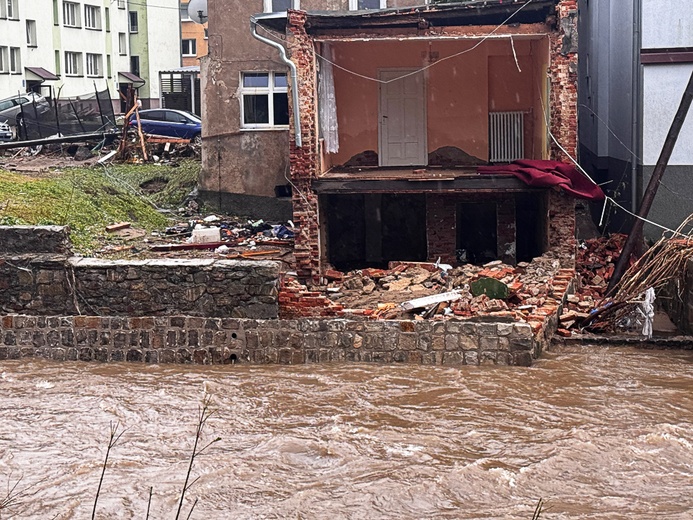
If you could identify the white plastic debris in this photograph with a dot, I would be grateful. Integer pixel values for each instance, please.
(201, 235)
(212, 218)
(647, 310)
(222, 250)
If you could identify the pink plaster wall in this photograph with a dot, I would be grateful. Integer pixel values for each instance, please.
(460, 91)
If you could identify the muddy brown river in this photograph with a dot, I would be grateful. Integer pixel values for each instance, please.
(598, 433)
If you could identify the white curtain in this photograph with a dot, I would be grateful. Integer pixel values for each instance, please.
(327, 102)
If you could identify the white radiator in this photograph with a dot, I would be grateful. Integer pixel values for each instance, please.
(506, 136)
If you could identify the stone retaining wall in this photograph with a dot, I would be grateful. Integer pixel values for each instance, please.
(37, 276)
(186, 339)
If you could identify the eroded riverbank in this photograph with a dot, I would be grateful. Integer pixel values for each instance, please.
(596, 432)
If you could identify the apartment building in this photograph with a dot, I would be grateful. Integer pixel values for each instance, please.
(636, 60)
(66, 48)
(193, 38)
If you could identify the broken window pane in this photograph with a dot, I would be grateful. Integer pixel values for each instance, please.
(255, 109)
(281, 109)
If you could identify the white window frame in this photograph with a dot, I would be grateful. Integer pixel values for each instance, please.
(31, 39)
(267, 5)
(270, 90)
(191, 47)
(71, 14)
(92, 17)
(73, 63)
(354, 5)
(4, 60)
(15, 60)
(122, 44)
(94, 65)
(121, 4)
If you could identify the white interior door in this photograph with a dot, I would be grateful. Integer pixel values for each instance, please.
(402, 131)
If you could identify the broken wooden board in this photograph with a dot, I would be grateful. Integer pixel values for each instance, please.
(494, 289)
(116, 227)
(427, 301)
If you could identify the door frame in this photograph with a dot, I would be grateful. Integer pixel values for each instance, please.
(424, 93)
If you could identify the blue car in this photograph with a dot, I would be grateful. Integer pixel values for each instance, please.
(170, 123)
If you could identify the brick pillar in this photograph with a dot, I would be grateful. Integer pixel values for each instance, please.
(506, 230)
(563, 72)
(441, 228)
(304, 161)
(562, 227)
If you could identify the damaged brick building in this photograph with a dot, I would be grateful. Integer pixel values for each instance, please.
(395, 113)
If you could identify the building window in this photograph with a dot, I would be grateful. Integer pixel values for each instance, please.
(189, 47)
(92, 17)
(184, 16)
(122, 44)
(135, 65)
(360, 5)
(206, 33)
(121, 4)
(134, 24)
(71, 14)
(11, 10)
(265, 100)
(31, 33)
(15, 60)
(73, 63)
(57, 63)
(109, 70)
(56, 13)
(94, 65)
(107, 13)
(278, 6)
(4, 60)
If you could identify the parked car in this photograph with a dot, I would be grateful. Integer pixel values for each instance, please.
(170, 123)
(11, 107)
(6, 133)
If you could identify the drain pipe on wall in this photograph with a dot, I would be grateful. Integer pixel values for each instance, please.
(294, 76)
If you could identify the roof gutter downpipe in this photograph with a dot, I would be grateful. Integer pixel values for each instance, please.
(294, 77)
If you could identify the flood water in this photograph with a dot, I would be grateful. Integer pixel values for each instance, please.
(598, 433)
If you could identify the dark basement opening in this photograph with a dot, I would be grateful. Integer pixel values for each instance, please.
(531, 225)
(477, 234)
(373, 229)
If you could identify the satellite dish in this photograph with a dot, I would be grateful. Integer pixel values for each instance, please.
(197, 11)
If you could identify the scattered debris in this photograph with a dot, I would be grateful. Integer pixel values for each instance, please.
(117, 227)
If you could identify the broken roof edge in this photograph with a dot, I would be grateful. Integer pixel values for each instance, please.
(476, 12)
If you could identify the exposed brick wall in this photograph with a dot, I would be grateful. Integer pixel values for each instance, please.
(562, 240)
(563, 73)
(441, 228)
(304, 160)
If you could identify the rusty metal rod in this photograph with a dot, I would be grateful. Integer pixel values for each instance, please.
(635, 235)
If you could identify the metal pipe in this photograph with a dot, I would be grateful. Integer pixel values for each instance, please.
(294, 77)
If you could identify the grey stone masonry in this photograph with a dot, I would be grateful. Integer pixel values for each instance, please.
(191, 339)
(38, 276)
(51, 284)
(19, 240)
